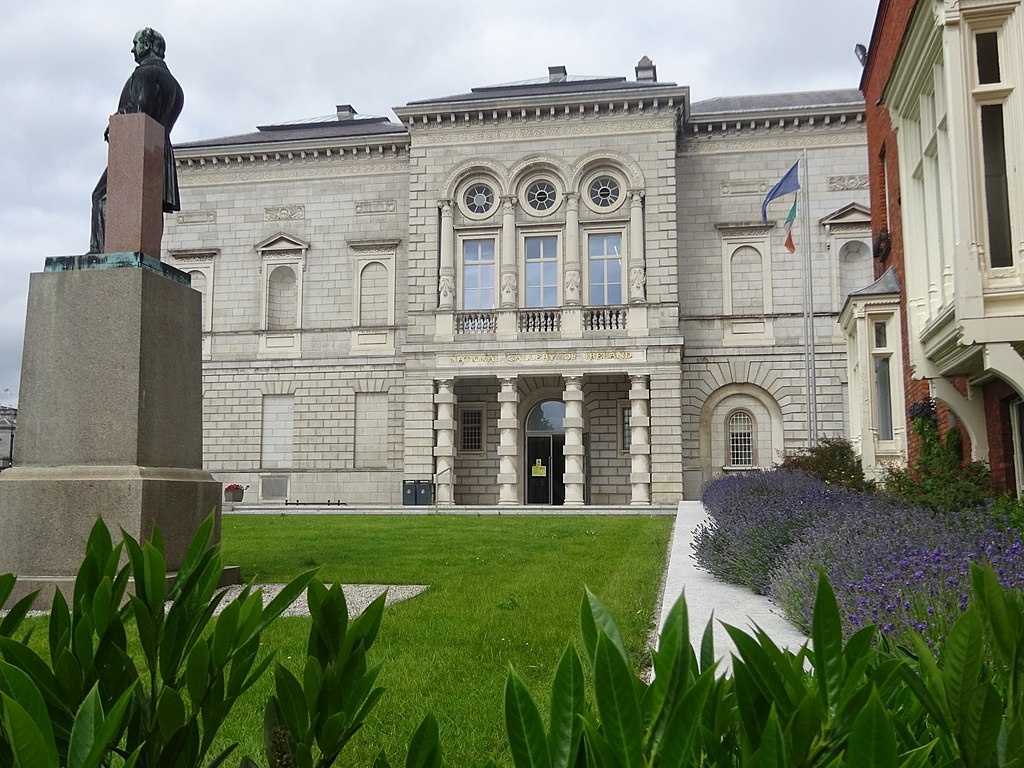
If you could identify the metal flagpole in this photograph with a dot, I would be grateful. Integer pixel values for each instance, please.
(810, 367)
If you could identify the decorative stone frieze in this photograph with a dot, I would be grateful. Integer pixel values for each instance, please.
(284, 213)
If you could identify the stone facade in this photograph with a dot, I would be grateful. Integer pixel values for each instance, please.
(554, 292)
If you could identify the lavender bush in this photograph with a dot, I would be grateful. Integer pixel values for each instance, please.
(753, 519)
(891, 563)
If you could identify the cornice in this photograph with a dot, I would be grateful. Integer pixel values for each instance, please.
(543, 107)
(766, 123)
(765, 142)
(209, 175)
(272, 154)
(584, 127)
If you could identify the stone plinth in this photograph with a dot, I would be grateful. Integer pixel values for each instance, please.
(110, 417)
(135, 185)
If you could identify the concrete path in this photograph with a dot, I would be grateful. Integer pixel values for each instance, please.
(706, 595)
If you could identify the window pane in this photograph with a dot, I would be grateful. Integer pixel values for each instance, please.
(472, 431)
(883, 401)
(741, 440)
(533, 296)
(532, 248)
(996, 197)
(880, 341)
(988, 57)
(478, 274)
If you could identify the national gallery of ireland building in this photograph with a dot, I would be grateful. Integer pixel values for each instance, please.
(558, 292)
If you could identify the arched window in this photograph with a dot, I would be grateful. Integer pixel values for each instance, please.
(281, 299)
(741, 439)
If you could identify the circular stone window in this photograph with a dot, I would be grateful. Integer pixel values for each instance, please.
(479, 199)
(604, 192)
(541, 196)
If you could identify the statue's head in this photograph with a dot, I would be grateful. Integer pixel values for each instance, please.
(148, 42)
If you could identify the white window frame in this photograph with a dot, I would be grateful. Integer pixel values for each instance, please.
(728, 440)
(527, 234)
(622, 231)
(1001, 93)
(875, 353)
(462, 238)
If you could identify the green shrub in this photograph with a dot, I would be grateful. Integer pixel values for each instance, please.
(831, 460)
(940, 479)
(92, 703)
(854, 703)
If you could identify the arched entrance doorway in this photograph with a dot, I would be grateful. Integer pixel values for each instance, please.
(545, 459)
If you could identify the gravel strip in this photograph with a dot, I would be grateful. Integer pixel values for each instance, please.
(357, 596)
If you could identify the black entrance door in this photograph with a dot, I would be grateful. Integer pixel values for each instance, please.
(545, 468)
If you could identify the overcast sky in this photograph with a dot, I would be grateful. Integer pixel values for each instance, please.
(63, 63)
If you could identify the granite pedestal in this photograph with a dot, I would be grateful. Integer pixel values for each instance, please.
(109, 419)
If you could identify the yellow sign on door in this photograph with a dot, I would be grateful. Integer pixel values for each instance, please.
(538, 470)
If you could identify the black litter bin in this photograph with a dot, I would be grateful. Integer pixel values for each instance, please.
(424, 492)
(408, 493)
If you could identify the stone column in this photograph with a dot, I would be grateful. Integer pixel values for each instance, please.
(509, 281)
(637, 260)
(446, 277)
(508, 446)
(640, 440)
(573, 274)
(573, 478)
(444, 442)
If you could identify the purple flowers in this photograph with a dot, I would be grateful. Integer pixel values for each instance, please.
(890, 563)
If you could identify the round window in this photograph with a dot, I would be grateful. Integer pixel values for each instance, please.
(604, 192)
(479, 199)
(541, 195)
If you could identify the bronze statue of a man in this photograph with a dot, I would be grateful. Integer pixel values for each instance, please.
(151, 89)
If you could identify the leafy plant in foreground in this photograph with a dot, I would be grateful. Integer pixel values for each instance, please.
(91, 703)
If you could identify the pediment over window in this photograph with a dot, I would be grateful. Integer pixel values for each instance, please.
(282, 242)
(850, 215)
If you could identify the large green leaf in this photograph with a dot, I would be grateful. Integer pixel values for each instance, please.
(979, 728)
(827, 634)
(93, 732)
(32, 749)
(20, 688)
(683, 723)
(594, 620)
(615, 688)
(526, 737)
(872, 741)
(567, 700)
(772, 752)
(425, 746)
(961, 663)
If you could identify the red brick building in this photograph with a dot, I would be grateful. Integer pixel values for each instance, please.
(943, 83)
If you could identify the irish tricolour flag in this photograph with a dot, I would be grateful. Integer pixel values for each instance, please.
(788, 184)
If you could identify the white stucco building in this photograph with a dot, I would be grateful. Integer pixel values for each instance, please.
(557, 291)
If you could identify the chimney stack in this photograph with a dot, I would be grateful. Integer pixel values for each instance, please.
(345, 112)
(646, 71)
(556, 74)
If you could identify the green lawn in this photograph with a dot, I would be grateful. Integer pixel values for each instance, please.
(503, 590)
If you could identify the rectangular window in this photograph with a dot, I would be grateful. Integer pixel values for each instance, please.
(988, 57)
(542, 271)
(997, 200)
(478, 274)
(882, 364)
(471, 431)
(627, 434)
(604, 252)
